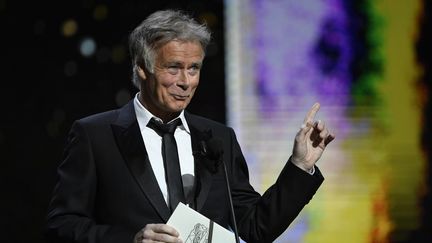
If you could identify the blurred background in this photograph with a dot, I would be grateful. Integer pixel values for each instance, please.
(368, 63)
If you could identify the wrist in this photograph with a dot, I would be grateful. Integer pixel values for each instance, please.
(303, 166)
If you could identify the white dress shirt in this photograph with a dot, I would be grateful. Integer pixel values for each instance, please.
(153, 145)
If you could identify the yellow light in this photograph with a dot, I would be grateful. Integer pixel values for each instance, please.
(69, 28)
(100, 12)
(118, 54)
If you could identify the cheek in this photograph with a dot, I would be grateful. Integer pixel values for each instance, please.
(163, 84)
(195, 82)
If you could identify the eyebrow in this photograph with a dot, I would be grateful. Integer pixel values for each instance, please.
(173, 63)
(177, 63)
(196, 64)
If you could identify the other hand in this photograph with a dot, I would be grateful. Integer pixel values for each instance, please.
(310, 141)
(160, 233)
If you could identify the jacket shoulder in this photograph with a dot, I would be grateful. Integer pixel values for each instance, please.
(106, 117)
(201, 121)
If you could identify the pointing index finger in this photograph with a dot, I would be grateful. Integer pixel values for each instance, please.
(311, 114)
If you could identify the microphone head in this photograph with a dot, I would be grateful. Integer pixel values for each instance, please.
(188, 187)
(214, 148)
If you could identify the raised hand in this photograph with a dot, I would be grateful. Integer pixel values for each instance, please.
(310, 141)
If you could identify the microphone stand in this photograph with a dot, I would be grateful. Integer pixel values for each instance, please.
(230, 202)
(213, 148)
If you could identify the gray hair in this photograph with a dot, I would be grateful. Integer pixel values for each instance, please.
(158, 29)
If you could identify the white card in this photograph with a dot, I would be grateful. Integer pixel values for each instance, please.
(194, 227)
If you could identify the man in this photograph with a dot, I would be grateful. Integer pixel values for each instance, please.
(114, 183)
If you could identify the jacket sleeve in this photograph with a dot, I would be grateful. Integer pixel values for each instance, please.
(71, 210)
(264, 218)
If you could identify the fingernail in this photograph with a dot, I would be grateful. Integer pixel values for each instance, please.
(303, 126)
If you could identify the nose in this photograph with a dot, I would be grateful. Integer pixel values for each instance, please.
(184, 79)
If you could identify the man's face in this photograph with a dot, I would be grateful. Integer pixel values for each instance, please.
(170, 88)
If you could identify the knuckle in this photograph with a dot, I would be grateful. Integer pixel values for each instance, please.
(162, 228)
(147, 234)
(149, 226)
(323, 134)
(163, 238)
(321, 125)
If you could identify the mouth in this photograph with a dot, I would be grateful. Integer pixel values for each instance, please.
(180, 97)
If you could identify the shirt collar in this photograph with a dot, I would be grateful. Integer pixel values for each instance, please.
(143, 115)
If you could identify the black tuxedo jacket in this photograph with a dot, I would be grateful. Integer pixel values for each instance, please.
(106, 190)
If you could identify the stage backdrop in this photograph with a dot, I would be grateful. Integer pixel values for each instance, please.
(357, 59)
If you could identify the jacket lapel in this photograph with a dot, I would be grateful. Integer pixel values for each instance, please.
(203, 170)
(129, 140)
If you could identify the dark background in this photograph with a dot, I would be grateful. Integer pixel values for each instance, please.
(46, 84)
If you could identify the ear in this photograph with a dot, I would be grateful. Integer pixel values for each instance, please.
(141, 72)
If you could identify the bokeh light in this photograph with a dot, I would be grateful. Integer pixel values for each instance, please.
(209, 18)
(69, 28)
(100, 12)
(87, 47)
(118, 54)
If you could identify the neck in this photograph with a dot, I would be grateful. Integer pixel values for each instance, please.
(165, 116)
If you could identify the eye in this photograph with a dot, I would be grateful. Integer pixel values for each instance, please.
(173, 69)
(193, 69)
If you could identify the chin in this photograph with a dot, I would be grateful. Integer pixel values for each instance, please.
(179, 106)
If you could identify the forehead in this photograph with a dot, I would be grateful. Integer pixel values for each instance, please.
(180, 51)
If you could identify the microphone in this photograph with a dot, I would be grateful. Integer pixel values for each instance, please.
(188, 187)
(215, 152)
(214, 149)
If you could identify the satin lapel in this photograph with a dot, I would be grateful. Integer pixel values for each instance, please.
(202, 173)
(130, 142)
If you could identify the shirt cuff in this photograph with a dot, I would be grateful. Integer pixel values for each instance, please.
(311, 171)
